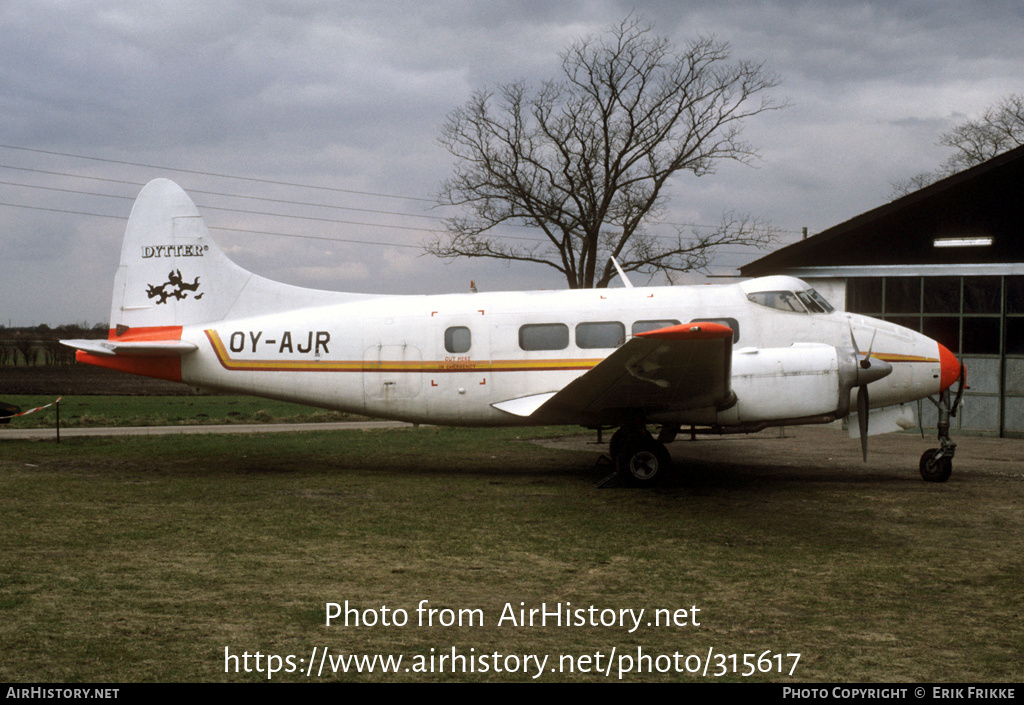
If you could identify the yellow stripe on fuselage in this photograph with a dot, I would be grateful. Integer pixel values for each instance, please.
(434, 366)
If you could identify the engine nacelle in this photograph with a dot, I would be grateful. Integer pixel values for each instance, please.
(806, 381)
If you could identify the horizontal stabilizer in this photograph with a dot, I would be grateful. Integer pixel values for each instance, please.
(138, 348)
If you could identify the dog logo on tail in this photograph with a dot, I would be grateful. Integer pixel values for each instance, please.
(179, 288)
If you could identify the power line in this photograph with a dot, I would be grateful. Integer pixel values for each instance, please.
(275, 215)
(230, 210)
(273, 182)
(294, 235)
(217, 175)
(316, 237)
(61, 210)
(213, 227)
(199, 191)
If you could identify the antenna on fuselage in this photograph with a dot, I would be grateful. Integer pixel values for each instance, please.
(622, 275)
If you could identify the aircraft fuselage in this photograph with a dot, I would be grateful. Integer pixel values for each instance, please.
(395, 357)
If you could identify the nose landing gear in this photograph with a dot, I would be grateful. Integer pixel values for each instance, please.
(937, 463)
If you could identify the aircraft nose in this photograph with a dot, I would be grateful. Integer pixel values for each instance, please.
(950, 367)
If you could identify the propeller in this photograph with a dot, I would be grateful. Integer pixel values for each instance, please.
(866, 372)
(862, 419)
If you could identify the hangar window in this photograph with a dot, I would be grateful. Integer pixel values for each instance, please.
(982, 294)
(544, 336)
(865, 295)
(606, 334)
(903, 295)
(1015, 294)
(981, 336)
(458, 339)
(941, 295)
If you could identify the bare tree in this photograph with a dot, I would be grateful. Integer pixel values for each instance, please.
(585, 159)
(999, 129)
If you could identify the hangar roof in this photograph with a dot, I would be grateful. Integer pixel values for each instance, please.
(985, 201)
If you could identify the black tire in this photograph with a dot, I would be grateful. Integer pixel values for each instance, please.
(643, 463)
(615, 443)
(933, 470)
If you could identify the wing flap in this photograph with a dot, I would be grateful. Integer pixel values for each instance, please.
(523, 406)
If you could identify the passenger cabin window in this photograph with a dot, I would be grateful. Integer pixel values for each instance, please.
(647, 326)
(808, 301)
(606, 334)
(458, 339)
(544, 336)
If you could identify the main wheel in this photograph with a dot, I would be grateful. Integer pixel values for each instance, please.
(615, 444)
(935, 470)
(643, 462)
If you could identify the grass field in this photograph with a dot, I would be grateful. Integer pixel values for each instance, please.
(143, 559)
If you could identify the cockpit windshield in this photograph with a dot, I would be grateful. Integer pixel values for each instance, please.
(806, 301)
(814, 301)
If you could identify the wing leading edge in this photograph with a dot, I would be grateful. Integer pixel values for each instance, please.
(678, 368)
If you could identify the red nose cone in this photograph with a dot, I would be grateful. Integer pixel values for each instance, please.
(950, 366)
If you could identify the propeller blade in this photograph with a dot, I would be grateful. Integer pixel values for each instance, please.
(862, 419)
(867, 370)
(866, 362)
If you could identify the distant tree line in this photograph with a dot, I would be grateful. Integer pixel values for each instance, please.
(40, 345)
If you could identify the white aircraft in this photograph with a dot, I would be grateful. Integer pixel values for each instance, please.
(721, 359)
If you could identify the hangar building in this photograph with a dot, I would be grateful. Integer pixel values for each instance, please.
(948, 261)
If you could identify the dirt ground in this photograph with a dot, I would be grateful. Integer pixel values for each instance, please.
(805, 449)
(823, 450)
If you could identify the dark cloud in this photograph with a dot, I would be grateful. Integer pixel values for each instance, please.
(350, 95)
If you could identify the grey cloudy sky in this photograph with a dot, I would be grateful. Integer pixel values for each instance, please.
(350, 95)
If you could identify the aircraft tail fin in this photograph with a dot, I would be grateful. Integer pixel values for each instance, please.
(172, 273)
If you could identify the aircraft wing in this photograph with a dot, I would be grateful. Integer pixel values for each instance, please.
(677, 368)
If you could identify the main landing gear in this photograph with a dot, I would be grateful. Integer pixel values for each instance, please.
(639, 459)
(937, 463)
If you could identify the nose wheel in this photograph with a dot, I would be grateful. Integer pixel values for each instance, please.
(936, 466)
